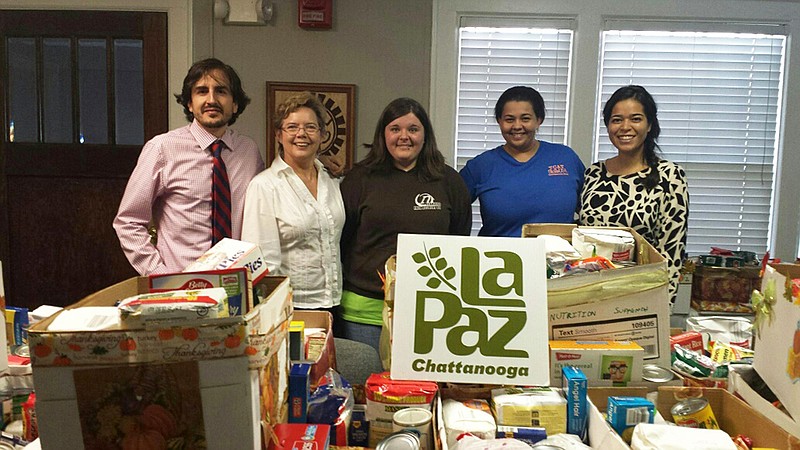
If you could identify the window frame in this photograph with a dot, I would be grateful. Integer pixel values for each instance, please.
(591, 17)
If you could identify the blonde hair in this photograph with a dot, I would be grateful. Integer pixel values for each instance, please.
(297, 101)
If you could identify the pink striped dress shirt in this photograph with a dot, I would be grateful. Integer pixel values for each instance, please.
(171, 185)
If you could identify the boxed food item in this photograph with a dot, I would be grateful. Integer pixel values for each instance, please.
(299, 389)
(625, 412)
(236, 281)
(239, 361)
(531, 407)
(574, 385)
(777, 331)
(229, 253)
(630, 303)
(164, 309)
(603, 362)
(300, 436)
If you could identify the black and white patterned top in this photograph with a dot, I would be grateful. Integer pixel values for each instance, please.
(660, 215)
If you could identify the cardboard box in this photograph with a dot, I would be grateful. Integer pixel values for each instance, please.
(733, 415)
(724, 289)
(327, 357)
(626, 304)
(777, 343)
(738, 386)
(605, 363)
(244, 356)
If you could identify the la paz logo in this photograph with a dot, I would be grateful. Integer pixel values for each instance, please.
(475, 310)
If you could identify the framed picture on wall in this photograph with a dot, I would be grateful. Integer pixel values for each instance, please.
(337, 148)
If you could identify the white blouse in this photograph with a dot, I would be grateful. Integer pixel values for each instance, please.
(298, 234)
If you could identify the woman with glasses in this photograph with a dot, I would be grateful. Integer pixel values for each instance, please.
(294, 211)
(402, 186)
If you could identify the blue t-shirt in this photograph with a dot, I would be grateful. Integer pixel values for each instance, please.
(545, 189)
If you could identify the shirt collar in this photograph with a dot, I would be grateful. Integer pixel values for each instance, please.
(280, 165)
(205, 139)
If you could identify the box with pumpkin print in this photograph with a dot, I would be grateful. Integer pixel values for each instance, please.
(239, 362)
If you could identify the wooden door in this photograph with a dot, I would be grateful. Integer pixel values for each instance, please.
(81, 92)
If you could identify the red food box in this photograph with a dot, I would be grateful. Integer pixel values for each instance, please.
(690, 340)
(300, 436)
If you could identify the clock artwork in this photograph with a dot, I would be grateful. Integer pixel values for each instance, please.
(336, 151)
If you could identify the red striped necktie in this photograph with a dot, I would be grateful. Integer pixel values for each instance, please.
(220, 196)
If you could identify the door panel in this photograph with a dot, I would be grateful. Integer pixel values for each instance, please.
(59, 191)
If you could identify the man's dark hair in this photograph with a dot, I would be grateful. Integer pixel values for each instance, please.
(203, 68)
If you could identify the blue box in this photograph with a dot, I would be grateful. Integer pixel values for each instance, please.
(574, 383)
(298, 392)
(625, 412)
(528, 435)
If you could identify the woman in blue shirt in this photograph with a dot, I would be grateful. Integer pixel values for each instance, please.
(524, 180)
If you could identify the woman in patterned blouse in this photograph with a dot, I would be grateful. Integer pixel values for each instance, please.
(637, 188)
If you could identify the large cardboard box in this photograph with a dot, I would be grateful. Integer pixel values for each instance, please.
(777, 335)
(733, 415)
(738, 386)
(626, 304)
(242, 361)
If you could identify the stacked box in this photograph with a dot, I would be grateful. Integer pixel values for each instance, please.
(241, 364)
(623, 304)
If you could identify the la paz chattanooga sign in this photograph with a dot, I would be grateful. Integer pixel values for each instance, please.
(470, 310)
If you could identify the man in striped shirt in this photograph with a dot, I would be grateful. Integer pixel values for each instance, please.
(170, 187)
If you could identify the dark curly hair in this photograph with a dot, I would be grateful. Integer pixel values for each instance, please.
(651, 148)
(203, 68)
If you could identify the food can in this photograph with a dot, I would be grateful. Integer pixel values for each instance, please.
(400, 440)
(414, 419)
(694, 413)
(656, 374)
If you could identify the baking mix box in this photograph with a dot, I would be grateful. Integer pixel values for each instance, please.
(236, 281)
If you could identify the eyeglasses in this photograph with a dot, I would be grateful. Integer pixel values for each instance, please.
(622, 368)
(293, 128)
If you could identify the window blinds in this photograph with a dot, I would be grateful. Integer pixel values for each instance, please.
(493, 59)
(718, 96)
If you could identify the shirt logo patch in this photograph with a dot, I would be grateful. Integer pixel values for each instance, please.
(556, 170)
(426, 202)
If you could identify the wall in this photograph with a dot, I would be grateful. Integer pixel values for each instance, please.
(383, 47)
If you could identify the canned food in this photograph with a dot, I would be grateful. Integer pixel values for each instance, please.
(656, 374)
(694, 413)
(414, 419)
(400, 440)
